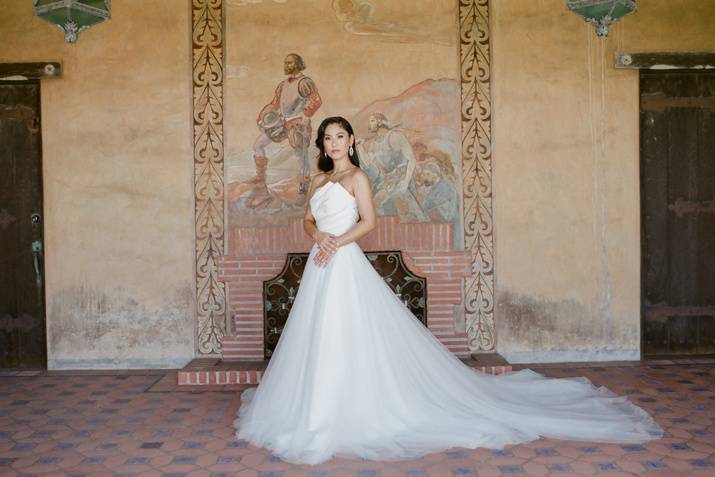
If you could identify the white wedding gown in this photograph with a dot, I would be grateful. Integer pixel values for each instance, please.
(356, 374)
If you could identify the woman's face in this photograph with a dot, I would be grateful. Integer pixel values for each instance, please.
(336, 141)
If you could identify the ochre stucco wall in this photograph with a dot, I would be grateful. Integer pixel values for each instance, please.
(566, 175)
(117, 166)
(118, 177)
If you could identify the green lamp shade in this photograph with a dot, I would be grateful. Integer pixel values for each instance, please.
(72, 16)
(602, 13)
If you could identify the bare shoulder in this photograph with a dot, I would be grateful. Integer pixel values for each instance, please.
(317, 181)
(358, 181)
(357, 174)
(359, 177)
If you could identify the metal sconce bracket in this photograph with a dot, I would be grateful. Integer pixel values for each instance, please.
(72, 16)
(601, 13)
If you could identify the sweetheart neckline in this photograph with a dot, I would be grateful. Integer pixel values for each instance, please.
(334, 183)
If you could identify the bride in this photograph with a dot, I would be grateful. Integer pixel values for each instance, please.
(356, 374)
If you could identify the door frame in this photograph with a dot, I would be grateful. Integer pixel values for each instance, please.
(15, 72)
(33, 73)
(667, 61)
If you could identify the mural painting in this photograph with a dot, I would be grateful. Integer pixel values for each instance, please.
(410, 154)
(286, 118)
(389, 71)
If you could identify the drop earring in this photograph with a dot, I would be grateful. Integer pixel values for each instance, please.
(351, 151)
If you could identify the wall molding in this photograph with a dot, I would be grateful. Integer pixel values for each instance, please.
(30, 71)
(662, 60)
(478, 216)
(207, 48)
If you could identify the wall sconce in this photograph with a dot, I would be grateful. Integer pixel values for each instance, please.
(601, 13)
(72, 16)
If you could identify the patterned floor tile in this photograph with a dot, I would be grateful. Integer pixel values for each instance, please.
(97, 424)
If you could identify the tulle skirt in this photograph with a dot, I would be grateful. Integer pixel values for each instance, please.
(356, 374)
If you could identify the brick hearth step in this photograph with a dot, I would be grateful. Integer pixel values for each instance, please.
(211, 371)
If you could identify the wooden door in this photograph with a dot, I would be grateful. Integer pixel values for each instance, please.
(22, 311)
(678, 211)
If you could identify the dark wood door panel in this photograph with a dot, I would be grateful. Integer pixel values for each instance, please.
(22, 316)
(680, 330)
(678, 211)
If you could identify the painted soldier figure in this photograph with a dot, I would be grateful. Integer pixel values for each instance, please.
(287, 116)
(390, 163)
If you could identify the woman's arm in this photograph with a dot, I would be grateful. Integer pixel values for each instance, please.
(363, 195)
(326, 242)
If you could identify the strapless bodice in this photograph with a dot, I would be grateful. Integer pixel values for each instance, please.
(334, 208)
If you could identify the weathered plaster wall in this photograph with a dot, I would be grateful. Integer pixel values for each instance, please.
(566, 179)
(117, 171)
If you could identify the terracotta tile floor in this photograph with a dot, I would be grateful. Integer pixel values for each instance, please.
(128, 423)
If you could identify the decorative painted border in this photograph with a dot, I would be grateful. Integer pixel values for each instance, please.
(478, 216)
(207, 61)
(207, 42)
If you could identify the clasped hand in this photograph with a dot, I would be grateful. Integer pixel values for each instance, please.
(328, 244)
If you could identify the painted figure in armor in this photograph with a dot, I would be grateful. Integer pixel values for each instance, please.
(389, 161)
(287, 116)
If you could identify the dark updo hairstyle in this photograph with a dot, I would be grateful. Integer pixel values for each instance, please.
(325, 162)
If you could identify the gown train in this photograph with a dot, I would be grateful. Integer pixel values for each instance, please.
(356, 374)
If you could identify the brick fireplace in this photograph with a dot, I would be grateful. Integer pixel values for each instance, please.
(256, 254)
